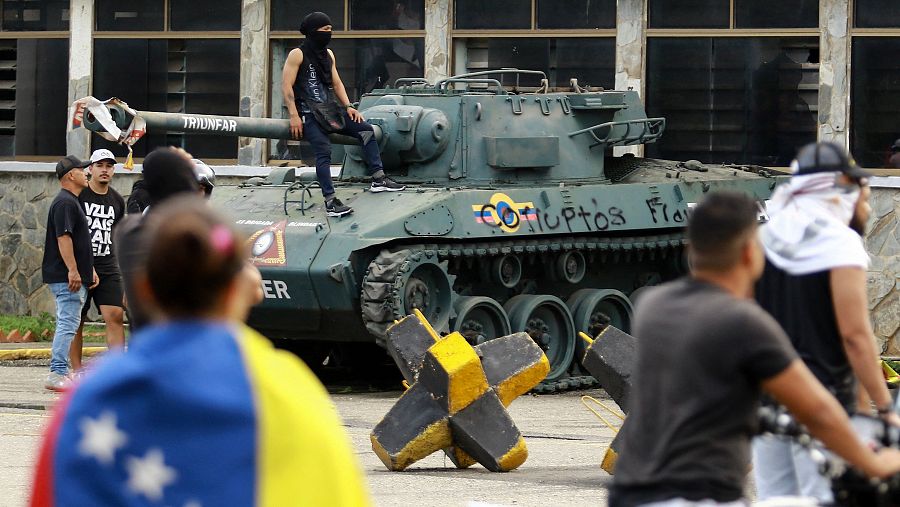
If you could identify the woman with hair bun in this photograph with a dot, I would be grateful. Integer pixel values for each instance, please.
(202, 410)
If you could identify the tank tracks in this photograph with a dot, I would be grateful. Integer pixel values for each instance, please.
(384, 288)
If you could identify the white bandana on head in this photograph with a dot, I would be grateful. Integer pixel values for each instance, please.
(809, 226)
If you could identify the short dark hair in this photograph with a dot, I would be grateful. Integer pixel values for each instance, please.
(168, 172)
(193, 255)
(718, 227)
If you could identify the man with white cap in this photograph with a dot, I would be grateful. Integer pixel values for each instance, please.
(104, 208)
(814, 284)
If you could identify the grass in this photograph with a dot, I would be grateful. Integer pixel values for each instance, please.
(25, 323)
(37, 325)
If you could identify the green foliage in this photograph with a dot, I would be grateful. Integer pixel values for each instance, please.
(25, 323)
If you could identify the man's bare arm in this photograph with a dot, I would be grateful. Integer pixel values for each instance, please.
(288, 77)
(341, 92)
(848, 294)
(67, 252)
(813, 406)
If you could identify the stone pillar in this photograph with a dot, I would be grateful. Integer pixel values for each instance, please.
(438, 14)
(81, 58)
(254, 55)
(631, 25)
(834, 71)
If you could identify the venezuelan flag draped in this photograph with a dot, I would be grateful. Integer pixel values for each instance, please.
(198, 414)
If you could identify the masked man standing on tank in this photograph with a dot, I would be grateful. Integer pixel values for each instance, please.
(314, 94)
(814, 285)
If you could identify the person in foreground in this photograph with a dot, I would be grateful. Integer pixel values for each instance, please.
(201, 410)
(699, 376)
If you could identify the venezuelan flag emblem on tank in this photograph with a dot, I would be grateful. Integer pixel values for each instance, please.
(503, 212)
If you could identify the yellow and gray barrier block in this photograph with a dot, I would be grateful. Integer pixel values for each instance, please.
(457, 397)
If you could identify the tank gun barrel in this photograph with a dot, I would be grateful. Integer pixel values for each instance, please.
(236, 126)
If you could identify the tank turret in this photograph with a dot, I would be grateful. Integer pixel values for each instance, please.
(516, 217)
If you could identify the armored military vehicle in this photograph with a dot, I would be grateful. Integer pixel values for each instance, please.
(516, 217)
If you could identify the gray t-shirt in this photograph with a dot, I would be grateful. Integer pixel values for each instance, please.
(702, 355)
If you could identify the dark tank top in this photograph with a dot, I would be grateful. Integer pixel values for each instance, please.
(309, 85)
(802, 304)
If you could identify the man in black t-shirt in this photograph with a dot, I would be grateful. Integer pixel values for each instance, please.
(103, 207)
(706, 352)
(814, 285)
(67, 265)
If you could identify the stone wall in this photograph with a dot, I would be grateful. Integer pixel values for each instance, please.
(25, 197)
(883, 244)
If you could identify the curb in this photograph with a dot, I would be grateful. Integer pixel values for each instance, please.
(17, 354)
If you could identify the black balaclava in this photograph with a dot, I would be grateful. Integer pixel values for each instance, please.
(316, 43)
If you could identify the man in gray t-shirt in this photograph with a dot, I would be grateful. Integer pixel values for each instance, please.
(706, 352)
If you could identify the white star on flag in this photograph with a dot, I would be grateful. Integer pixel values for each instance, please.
(101, 438)
(149, 475)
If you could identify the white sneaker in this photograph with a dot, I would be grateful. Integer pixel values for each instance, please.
(57, 382)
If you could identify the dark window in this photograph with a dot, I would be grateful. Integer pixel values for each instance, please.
(387, 14)
(363, 65)
(576, 14)
(494, 14)
(743, 100)
(36, 15)
(877, 13)
(689, 13)
(590, 60)
(204, 15)
(287, 14)
(776, 13)
(876, 99)
(129, 15)
(34, 91)
(176, 76)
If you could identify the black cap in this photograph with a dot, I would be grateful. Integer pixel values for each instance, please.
(827, 157)
(68, 163)
(313, 21)
(168, 172)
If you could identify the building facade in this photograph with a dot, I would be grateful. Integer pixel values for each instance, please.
(739, 80)
(744, 81)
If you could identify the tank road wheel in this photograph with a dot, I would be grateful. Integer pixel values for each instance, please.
(571, 266)
(548, 321)
(480, 319)
(594, 309)
(399, 281)
(507, 271)
(428, 287)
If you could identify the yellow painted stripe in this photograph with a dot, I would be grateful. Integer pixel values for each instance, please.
(515, 457)
(304, 455)
(523, 381)
(463, 368)
(19, 354)
(434, 437)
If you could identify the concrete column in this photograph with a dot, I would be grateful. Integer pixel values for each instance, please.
(438, 14)
(81, 58)
(631, 26)
(254, 56)
(834, 71)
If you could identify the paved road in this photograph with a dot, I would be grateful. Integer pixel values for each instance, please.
(565, 444)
